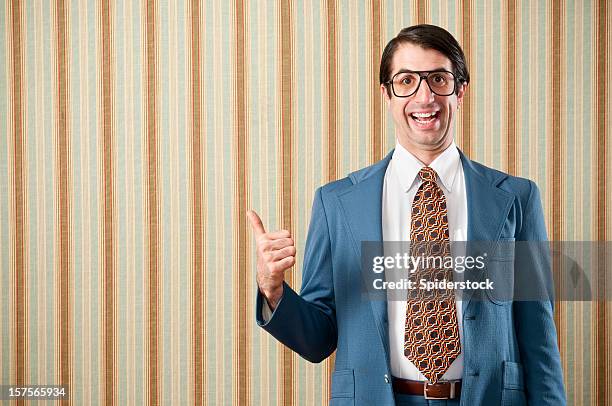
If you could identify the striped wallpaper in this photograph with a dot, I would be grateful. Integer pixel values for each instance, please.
(135, 135)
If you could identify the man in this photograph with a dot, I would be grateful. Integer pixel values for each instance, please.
(474, 352)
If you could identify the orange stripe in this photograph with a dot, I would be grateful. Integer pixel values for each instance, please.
(198, 337)
(63, 182)
(332, 111)
(242, 373)
(286, 55)
(555, 135)
(511, 86)
(150, 47)
(603, 364)
(602, 130)
(466, 106)
(422, 6)
(555, 138)
(332, 163)
(108, 186)
(19, 248)
(376, 126)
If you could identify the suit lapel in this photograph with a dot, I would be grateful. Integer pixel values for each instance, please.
(362, 208)
(362, 202)
(487, 208)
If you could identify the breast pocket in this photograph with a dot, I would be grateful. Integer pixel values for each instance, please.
(513, 391)
(500, 271)
(343, 388)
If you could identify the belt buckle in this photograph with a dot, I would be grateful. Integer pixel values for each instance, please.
(452, 392)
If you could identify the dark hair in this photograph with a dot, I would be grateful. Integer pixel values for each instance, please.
(429, 37)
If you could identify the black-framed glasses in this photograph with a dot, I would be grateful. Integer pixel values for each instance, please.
(405, 83)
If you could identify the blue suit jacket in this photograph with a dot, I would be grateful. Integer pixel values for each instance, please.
(510, 348)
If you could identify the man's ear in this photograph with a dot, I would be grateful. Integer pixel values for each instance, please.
(385, 94)
(462, 89)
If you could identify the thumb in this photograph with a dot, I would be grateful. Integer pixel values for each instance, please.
(256, 223)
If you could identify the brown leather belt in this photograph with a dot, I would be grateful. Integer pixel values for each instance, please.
(440, 390)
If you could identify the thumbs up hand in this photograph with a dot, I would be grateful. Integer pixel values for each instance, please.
(275, 254)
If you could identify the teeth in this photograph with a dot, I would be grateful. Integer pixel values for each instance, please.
(424, 115)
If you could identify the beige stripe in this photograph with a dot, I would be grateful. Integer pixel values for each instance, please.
(175, 209)
(466, 107)
(40, 189)
(130, 192)
(108, 206)
(332, 161)
(220, 199)
(511, 72)
(520, 97)
(443, 16)
(486, 74)
(376, 103)
(86, 318)
(18, 245)
(353, 91)
(63, 192)
(534, 100)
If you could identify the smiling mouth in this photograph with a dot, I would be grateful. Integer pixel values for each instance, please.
(425, 118)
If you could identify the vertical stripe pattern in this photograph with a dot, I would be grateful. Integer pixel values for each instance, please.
(63, 195)
(332, 81)
(198, 353)
(555, 140)
(604, 379)
(152, 203)
(136, 135)
(286, 169)
(241, 287)
(511, 82)
(376, 115)
(18, 201)
(466, 106)
(108, 229)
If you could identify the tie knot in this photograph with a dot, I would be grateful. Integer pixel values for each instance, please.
(427, 174)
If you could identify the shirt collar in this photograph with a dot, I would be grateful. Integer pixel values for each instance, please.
(446, 166)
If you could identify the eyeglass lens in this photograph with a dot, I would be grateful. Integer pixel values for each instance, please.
(406, 83)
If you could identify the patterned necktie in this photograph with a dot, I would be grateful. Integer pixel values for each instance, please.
(431, 331)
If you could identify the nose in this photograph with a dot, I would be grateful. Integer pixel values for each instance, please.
(424, 93)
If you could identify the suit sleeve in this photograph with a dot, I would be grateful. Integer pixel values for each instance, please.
(306, 323)
(534, 323)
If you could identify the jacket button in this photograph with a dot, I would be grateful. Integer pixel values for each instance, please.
(386, 378)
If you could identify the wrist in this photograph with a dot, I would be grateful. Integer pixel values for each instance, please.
(272, 297)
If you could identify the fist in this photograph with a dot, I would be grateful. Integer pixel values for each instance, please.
(275, 254)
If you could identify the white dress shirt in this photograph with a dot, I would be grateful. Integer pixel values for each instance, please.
(400, 186)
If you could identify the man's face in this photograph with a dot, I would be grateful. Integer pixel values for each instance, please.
(425, 133)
